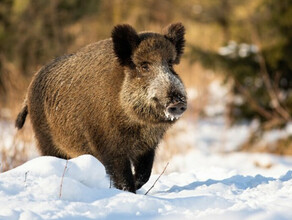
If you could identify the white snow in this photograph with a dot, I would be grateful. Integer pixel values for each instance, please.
(230, 186)
(233, 49)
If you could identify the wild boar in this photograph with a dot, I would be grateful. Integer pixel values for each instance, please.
(113, 99)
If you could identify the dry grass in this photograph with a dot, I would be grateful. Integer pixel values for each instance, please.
(282, 146)
(16, 147)
(62, 179)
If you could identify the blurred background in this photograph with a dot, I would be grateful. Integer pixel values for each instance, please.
(237, 67)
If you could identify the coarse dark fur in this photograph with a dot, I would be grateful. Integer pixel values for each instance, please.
(113, 99)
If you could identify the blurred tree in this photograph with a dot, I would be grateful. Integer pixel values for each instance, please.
(257, 60)
(34, 31)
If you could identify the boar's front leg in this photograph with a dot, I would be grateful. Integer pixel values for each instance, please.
(143, 166)
(119, 170)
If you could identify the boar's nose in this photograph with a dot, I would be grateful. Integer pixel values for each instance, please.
(176, 109)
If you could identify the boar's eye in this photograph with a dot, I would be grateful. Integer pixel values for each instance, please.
(145, 66)
(170, 63)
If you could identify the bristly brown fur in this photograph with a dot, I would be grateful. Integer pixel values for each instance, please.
(110, 100)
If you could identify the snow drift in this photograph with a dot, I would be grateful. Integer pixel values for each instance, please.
(52, 188)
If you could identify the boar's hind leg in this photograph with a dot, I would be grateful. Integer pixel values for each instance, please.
(143, 166)
(119, 170)
(47, 146)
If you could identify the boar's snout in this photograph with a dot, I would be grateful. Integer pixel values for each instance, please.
(176, 109)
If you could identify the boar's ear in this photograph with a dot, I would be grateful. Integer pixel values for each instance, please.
(125, 40)
(176, 34)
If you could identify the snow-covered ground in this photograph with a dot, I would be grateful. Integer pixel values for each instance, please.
(206, 179)
(219, 186)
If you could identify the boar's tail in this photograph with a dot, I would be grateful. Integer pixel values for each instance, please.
(20, 120)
